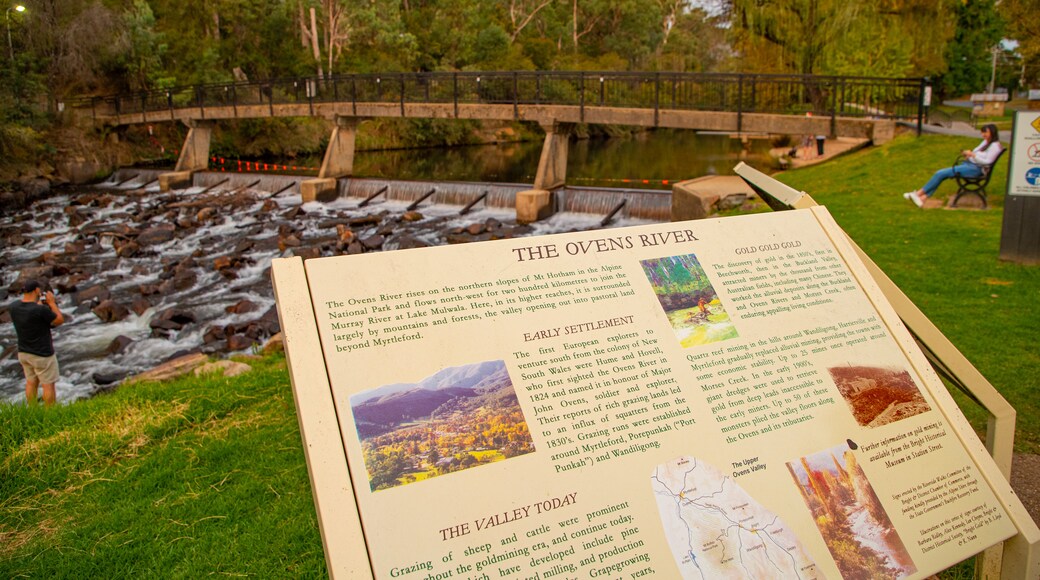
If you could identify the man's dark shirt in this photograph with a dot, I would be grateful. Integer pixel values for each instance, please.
(32, 324)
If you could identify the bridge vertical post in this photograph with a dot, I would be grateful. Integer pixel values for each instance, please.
(194, 155)
(657, 99)
(740, 103)
(834, 109)
(353, 94)
(402, 95)
(338, 162)
(455, 93)
(539, 202)
(516, 97)
(581, 81)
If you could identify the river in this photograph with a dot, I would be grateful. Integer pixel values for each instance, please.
(78, 237)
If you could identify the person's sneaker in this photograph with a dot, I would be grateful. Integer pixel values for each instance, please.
(907, 195)
(917, 200)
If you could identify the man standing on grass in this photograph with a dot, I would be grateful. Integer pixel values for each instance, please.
(32, 323)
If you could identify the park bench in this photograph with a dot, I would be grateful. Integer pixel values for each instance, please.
(976, 185)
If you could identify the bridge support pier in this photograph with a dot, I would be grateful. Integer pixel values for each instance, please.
(539, 202)
(194, 155)
(338, 162)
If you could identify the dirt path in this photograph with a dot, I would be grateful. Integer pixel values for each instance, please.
(1025, 480)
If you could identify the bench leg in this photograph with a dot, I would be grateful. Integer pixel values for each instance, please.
(979, 192)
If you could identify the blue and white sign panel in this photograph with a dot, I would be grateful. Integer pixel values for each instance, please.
(1024, 171)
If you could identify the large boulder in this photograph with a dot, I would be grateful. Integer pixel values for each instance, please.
(119, 344)
(111, 311)
(227, 368)
(172, 369)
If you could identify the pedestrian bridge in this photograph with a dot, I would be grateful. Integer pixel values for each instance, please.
(735, 103)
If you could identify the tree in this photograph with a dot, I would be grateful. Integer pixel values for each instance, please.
(789, 36)
(816, 36)
(970, 55)
(1024, 26)
(142, 61)
(70, 42)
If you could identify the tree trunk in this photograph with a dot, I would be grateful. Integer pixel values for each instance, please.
(315, 43)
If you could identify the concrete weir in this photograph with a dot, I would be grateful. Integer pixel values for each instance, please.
(194, 155)
(338, 162)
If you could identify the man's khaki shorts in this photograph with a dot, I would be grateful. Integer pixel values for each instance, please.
(44, 368)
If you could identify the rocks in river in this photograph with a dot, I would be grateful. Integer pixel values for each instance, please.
(41, 272)
(70, 283)
(118, 344)
(237, 342)
(102, 378)
(412, 216)
(408, 241)
(126, 248)
(76, 247)
(206, 214)
(176, 315)
(111, 311)
(241, 307)
(181, 281)
(288, 241)
(94, 295)
(214, 333)
(344, 234)
(222, 263)
(156, 235)
(16, 239)
(171, 319)
(140, 305)
(307, 253)
(373, 242)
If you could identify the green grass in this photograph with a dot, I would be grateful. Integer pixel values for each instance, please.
(945, 261)
(206, 476)
(192, 478)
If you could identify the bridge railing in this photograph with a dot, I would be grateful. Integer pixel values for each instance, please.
(730, 92)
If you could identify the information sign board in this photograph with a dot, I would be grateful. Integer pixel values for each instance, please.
(722, 398)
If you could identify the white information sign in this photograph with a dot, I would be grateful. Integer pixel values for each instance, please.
(1024, 170)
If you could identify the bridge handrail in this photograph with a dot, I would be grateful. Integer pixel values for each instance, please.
(825, 95)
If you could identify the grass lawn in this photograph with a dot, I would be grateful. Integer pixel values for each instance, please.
(206, 476)
(946, 261)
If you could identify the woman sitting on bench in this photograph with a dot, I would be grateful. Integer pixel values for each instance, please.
(982, 156)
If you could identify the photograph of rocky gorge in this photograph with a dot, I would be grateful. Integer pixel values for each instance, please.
(878, 395)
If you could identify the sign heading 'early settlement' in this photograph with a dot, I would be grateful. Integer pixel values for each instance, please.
(720, 398)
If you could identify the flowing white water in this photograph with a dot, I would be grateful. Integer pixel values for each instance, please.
(81, 343)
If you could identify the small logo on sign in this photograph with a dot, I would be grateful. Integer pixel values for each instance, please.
(1033, 176)
(1036, 123)
(1034, 150)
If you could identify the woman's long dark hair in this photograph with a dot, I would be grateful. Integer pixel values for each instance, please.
(993, 133)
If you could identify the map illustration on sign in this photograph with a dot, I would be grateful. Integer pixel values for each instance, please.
(715, 529)
(455, 419)
(689, 300)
